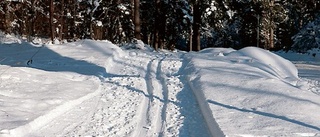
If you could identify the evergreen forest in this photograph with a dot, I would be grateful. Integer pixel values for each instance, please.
(189, 25)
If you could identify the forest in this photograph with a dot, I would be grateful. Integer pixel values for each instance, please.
(189, 25)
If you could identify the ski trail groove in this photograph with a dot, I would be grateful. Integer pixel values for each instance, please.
(147, 97)
(144, 122)
(153, 106)
(155, 110)
(165, 93)
(39, 122)
(148, 78)
(150, 88)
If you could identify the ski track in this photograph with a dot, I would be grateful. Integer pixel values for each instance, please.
(153, 121)
(143, 114)
(41, 121)
(311, 74)
(162, 78)
(143, 96)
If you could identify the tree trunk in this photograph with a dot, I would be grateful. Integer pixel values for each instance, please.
(190, 39)
(156, 32)
(156, 39)
(92, 36)
(29, 25)
(72, 22)
(61, 21)
(190, 33)
(51, 20)
(271, 25)
(7, 18)
(258, 30)
(196, 26)
(162, 29)
(271, 37)
(137, 26)
(32, 20)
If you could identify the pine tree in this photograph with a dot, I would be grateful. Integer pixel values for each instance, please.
(273, 14)
(217, 24)
(308, 38)
(291, 17)
(245, 16)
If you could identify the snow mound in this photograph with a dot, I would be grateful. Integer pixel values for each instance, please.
(105, 47)
(8, 39)
(252, 92)
(268, 62)
(217, 51)
(60, 78)
(137, 44)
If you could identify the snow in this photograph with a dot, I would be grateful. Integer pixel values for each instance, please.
(95, 88)
(268, 62)
(311, 57)
(99, 23)
(8, 39)
(248, 97)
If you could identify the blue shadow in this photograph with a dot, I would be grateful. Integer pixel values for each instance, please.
(43, 58)
(265, 114)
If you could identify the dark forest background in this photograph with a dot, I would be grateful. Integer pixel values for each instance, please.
(181, 24)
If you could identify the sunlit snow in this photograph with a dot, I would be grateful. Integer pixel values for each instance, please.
(96, 88)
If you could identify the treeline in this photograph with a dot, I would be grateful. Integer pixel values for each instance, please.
(182, 24)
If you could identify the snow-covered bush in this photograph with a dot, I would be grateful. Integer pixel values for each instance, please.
(9, 39)
(136, 44)
(308, 37)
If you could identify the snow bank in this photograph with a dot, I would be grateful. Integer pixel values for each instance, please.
(268, 62)
(137, 44)
(251, 92)
(217, 51)
(42, 120)
(212, 125)
(273, 65)
(59, 78)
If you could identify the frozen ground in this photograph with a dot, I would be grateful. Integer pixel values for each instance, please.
(95, 88)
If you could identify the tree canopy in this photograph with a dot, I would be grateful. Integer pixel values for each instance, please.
(182, 24)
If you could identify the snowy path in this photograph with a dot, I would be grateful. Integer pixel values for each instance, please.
(95, 88)
(143, 94)
(309, 71)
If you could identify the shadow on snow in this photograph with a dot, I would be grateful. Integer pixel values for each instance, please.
(266, 115)
(193, 118)
(43, 58)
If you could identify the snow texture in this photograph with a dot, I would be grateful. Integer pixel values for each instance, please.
(95, 88)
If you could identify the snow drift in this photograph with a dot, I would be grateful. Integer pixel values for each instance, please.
(58, 79)
(268, 62)
(95, 88)
(253, 92)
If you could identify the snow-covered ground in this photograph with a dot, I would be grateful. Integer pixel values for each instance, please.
(95, 88)
(253, 92)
